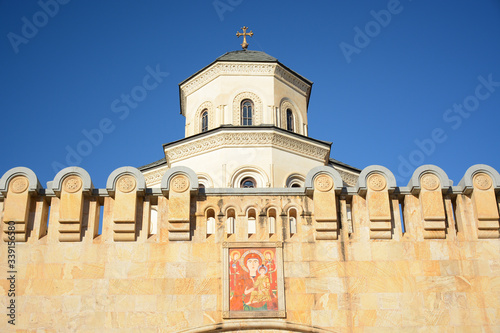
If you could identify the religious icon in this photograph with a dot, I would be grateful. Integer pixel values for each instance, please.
(251, 288)
(254, 282)
(269, 262)
(235, 268)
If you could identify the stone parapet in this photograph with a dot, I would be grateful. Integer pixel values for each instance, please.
(429, 207)
(375, 257)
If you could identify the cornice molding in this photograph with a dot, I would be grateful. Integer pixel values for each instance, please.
(236, 68)
(285, 75)
(155, 176)
(246, 139)
(349, 178)
(224, 69)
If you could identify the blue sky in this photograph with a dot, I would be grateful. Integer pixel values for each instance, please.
(396, 83)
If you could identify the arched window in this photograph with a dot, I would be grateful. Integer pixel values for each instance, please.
(248, 182)
(295, 180)
(231, 216)
(246, 112)
(153, 221)
(204, 121)
(210, 222)
(289, 120)
(292, 218)
(252, 225)
(272, 221)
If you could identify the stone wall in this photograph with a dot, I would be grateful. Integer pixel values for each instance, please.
(376, 257)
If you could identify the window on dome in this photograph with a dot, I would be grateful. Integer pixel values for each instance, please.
(289, 120)
(204, 121)
(248, 182)
(246, 112)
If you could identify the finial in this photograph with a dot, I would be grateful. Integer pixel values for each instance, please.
(244, 45)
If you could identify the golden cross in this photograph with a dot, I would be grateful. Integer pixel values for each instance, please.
(244, 45)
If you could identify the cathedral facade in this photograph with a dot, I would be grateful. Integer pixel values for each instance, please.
(248, 224)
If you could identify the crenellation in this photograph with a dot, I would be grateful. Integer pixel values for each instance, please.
(354, 280)
(431, 210)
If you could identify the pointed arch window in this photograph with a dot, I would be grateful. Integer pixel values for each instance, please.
(289, 120)
(204, 121)
(246, 112)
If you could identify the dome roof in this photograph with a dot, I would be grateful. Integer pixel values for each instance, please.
(251, 56)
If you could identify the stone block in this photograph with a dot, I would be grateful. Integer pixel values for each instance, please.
(432, 205)
(378, 206)
(16, 208)
(123, 236)
(125, 205)
(16, 205)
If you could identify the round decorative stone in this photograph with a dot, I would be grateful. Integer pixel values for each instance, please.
(19, 184)
(430, 181)
(126, 183)
(323, 183)
(377, 182)
(482, 181)
(179, 183)
(72, 184)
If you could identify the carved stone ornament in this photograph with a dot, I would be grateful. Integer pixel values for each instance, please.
(482, 181)
(179, 183)
(323, 183)
(430, 182)
(19, 184)
(154, 176)
(126, 183)
(257, 108)
(377, 182)
(72, 184)
(229, 68)
(211, 115)
(349, 178)
(245, 139)
(226, 68)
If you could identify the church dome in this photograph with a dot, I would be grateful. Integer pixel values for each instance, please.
(250, 56)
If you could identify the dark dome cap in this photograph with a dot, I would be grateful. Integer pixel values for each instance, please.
(250, 56)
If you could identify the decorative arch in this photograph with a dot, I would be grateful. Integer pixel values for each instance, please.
(34, 184)
(256, 324)
(295, 179)
(56, 184)
(225, 209)
(314, 172)
(361, 186)
(254, 207)
(289, 206)
(182, 170)
(205, 179)
(117, 173)
(297, 119)
(211, 207)
(270, 206)
(211, 115)
(256, 173)
(257, 104)
(414, 183)
(466, 182)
